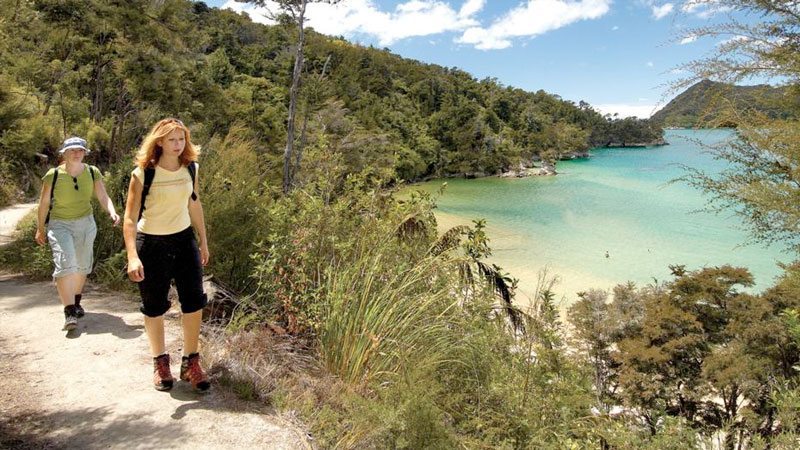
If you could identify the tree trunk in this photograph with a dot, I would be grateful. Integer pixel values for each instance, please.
(122, 109)
(16, 12)
(96, 112)
(307, 112)
(293, 91)
(63, 114)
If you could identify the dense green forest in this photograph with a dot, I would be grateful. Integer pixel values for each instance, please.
(109, 69)
(340, 301)
(711, 104)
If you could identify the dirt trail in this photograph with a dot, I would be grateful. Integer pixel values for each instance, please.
(90, 388)
(9, 217)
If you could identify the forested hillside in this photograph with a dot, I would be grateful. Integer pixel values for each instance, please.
(343, 304)
(108, 69)
(711, 104)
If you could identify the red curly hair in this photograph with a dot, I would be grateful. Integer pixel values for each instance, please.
(150, 151)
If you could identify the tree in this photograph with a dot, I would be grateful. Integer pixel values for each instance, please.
(762, 183)
(296, 11)
(766, 48)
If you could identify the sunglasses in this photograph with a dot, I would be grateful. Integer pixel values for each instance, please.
(174, 121)
(75, 180)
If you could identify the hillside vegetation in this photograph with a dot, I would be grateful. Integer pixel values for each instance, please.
(710, 104)
(108, 70)
(340, 301)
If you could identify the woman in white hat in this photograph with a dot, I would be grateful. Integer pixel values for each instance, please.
(66, 222)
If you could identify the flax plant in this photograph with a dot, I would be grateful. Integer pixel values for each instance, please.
(381, 319)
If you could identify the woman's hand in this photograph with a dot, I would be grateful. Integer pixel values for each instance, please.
(114, 217)
(40, 236)
(135, 270)
(204, 255)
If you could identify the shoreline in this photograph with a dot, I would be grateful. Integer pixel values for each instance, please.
(544, 169)
(568, 281)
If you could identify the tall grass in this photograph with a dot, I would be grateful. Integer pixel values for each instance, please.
(378, 319)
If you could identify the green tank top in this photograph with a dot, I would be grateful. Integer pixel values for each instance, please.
(70, 203)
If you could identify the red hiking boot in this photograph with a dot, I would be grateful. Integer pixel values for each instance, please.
(162, 376)
(193, 373)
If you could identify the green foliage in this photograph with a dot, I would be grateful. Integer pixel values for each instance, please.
(693, 339)
(107, 71)
(425, 355)
(9, 192)
(231, 179)
(760, 183)
(378, 319)
(708, 103)
(111, 273)
(23, 255)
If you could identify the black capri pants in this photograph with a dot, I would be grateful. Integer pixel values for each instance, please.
(168, 257)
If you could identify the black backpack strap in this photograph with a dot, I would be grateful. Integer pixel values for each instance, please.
(52, 192)
(91, 171)
(149, 174)
(193, 173)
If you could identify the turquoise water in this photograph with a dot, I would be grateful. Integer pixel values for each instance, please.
(618, 201)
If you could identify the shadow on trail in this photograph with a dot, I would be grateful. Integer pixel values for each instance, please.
(104, 323)
(213, 400)
(14, 294)
(86, 428)
(21, 432)
(219, 398)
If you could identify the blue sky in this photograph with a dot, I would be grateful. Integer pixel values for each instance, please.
(617, 55)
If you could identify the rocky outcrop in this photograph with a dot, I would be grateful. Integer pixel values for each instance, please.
(655, 143)
(574, 155)
(547, 169)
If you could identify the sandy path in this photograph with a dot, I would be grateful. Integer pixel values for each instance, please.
(9, 218)
(91, 388)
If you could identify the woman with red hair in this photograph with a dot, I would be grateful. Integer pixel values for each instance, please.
(162, 214)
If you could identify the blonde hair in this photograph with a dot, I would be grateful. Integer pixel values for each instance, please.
(150, 152)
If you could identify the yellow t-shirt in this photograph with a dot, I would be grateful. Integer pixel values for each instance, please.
(166, 207)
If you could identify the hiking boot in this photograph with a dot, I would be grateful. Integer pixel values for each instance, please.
(162, 377)
(193, 373)
(70, 318)
(79, 312)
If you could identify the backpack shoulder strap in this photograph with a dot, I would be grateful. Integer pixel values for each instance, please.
(193, 173)
(53, 183)
(52, 192)
(93, 170)
(149, 174)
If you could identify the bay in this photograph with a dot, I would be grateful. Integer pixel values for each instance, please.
(608, 219)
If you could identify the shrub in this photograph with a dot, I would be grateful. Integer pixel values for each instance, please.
(24, 255)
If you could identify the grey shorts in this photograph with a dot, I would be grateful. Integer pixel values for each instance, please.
(72, 242)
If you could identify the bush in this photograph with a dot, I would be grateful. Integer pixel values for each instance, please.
(24, 255)
(233, 191)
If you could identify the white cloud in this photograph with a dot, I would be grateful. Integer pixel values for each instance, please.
(471, 7)
(625, 110)
(659, 12)
(614, 28)
(531, 19)
(354, 17)
(704, 9)
(429, 17)
(649, 64)
(733, 40)
(688, 39)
